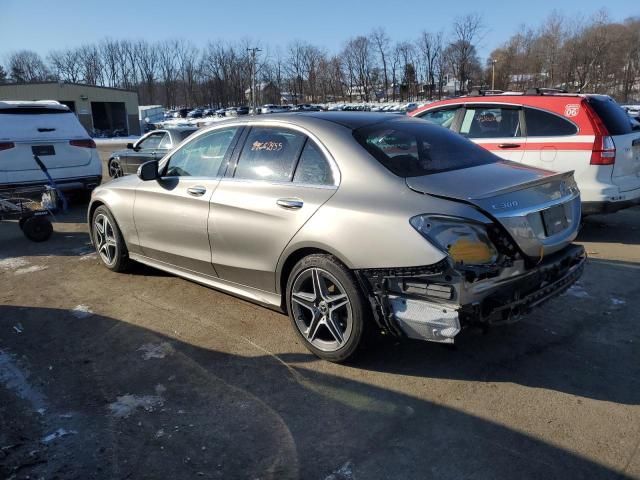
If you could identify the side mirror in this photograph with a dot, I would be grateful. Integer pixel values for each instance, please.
(130, 146)
(148, 171)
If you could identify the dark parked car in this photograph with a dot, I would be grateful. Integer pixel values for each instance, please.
(151, 146)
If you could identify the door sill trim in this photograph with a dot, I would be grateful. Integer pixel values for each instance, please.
(267, 299)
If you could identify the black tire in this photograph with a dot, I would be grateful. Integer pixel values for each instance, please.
(357, 307)
(37, 228)
(120, 256)
(21, 222)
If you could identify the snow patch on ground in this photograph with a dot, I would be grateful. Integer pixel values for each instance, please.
(617, 301)
(88, 256)
(31, 269)
(156, 350)
(7, 264)
(578, 291)
(107, 141)
(59, 433)
(345, 472)
(81, 311)
(125, 405)
(15, 380)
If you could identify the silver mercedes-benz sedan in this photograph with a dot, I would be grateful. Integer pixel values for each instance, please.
(349, 222)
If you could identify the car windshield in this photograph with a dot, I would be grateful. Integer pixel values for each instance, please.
(411, 149)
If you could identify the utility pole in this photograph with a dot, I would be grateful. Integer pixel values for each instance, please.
(253, 51)
(493, 73)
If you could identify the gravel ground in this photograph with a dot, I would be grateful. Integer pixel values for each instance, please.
(145, 375)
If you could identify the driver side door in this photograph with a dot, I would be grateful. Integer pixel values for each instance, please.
(171, 213)
(143, 151)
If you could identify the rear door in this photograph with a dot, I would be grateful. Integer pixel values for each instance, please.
(47, 132)
(626, 169)
(495, 127)
(552, 142)
(280, 179)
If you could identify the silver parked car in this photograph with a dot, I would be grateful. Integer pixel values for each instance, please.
(349, 222)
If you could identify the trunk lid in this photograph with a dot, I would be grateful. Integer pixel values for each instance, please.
(36, 131)
(626, 139)
(626, 169)
(539, 209)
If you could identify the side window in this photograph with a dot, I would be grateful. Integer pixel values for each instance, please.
(202, 156)
(313, 167)
(165, 143)
(545, 124)
(152, 141)
(269, 153)
(491, 122)
(444, 118)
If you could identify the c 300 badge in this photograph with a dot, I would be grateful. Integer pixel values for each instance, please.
(505, 205)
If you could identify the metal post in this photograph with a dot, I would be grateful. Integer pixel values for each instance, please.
(253, 51)
(493, 74)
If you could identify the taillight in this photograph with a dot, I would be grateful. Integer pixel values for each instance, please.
(604, 151)
(6, 145)
(87, 143)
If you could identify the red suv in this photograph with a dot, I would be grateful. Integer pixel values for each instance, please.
(589, 134)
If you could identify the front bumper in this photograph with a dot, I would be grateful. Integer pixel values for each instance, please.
(435, 303)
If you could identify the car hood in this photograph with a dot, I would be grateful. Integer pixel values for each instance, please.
(520, 198)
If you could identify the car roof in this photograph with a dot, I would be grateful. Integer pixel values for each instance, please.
(179, 128)
(52, 104)
(350, 120)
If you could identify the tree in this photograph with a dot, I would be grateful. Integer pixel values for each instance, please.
(27, 66)
(381, 42)
(462, 52)
(3, 75)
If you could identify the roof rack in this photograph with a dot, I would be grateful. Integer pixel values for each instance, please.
(478, 92)
(544, 91)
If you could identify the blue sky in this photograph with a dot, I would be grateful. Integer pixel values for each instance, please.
(42, 25)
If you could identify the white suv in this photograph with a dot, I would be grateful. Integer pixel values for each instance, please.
(54, 133)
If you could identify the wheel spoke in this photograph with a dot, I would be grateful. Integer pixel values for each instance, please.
(334, 329)
(110, 241)
(313, 326)
(319, 285)
(337, 301)
(304, 299)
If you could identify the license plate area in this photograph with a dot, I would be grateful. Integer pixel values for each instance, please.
(43, 150)
(554, 220)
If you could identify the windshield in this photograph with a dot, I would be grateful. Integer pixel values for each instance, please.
(413, 149)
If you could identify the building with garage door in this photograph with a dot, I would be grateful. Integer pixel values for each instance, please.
(100, 109)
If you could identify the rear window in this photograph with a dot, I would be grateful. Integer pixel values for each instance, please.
(612, 115)
(411, 149)
(39, 124)
(31, 111)
(545, 124)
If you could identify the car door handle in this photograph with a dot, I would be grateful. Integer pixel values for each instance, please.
(290, 203)
(509, 145)
(196, 191)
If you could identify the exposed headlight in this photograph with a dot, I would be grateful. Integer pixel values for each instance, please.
(465, 241)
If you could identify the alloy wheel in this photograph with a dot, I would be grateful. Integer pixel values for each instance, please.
(105, 239)
(115, 169)
(321, 309)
